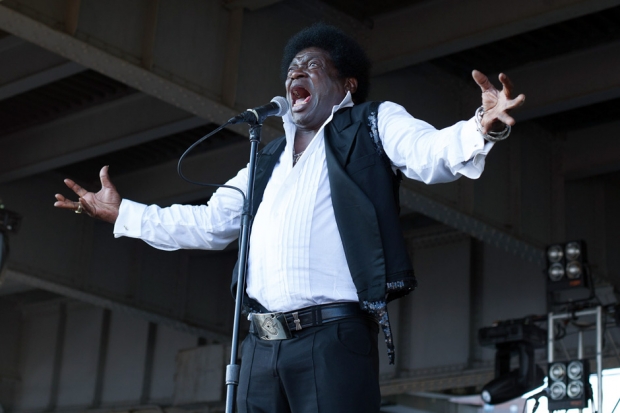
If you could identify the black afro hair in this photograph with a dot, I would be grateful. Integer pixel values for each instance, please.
(346, 54)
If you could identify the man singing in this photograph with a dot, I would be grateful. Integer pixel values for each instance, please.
(326, 249)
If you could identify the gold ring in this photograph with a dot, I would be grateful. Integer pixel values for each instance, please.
(79, 209)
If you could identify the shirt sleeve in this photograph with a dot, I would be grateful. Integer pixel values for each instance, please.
(431, 155)
(212, 226)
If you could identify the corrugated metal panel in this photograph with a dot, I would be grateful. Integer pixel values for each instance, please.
(79, 360)
(169, 343)
(437, 333)
(124, 370)
(200, 375)
(37, 358)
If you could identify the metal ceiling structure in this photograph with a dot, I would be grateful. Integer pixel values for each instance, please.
(87, 83)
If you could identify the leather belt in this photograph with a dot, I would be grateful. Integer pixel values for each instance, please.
(278, 326)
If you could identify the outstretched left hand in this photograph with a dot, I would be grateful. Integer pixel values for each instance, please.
(497, 104)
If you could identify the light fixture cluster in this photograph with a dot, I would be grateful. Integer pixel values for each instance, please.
(566, 266)
(513, 339)
(568, 386)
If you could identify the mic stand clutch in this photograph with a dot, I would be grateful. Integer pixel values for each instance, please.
(233, 369)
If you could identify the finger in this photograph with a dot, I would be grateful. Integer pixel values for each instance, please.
(506, 119)
(65, 203)
(75, 187)
(87, 208)
(519, 100)
(62, 202)
(507, 84)
(482, 80)
(514, 103)
(105, 178)
(504, 116)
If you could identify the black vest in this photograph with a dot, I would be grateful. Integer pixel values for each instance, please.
(364, 192)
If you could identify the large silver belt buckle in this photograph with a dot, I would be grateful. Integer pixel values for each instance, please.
(271, 326)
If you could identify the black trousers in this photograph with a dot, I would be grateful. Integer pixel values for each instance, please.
(332, 368)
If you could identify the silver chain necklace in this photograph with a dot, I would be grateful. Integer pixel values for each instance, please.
(296, 156)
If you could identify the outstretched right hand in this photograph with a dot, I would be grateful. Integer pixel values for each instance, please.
(103, 205)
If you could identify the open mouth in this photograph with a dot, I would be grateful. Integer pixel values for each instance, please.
(300, 96)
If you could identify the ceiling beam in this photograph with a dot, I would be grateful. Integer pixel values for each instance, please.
(427, 30)
(29, 66)
(569, 81)
(114, 305)
(250, 4)
(69, 47)
(161, 184)
(119, 124)
(8, 42)
(475, 227)
(39, 79)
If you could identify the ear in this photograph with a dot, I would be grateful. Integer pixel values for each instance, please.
(350, 84)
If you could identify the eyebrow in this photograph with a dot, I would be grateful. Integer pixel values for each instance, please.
(306, 58)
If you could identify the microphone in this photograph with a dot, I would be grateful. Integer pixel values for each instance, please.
(277, 107)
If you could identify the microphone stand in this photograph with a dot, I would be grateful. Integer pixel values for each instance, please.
(233, 369)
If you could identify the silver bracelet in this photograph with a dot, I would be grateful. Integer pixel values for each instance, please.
(490, 136)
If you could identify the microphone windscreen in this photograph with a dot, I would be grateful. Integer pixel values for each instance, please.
(282, 104)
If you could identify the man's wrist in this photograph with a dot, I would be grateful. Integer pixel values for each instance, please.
(491, 136)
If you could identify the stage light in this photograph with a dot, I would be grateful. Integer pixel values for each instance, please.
(556, 272)
(566, 266)
(557, 390)
(512, 338)
(568, 386)
(502, 389)
(573, 270)
(574, 389)
(575, 370)
(573, 250)
(555, 253)
(557, 371)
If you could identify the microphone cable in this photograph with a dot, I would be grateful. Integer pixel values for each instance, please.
(536, 397)
(188, 150)
(278, 106)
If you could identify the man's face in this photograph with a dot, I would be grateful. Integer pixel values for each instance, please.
(313, 87)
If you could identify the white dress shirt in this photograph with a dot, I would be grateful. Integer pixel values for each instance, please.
(296, 256)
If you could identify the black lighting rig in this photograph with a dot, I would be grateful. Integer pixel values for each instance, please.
(571, 295)
(570, 291)
(519, 337)
(568, 274)
(569, 385)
